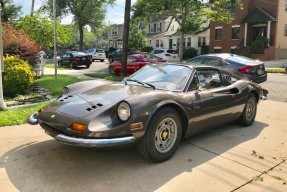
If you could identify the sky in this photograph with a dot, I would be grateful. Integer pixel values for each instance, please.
(114, 15)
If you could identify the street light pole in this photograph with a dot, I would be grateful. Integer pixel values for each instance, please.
(2, 103)
(55, 38)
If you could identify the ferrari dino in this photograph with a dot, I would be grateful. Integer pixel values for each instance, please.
(154, 109)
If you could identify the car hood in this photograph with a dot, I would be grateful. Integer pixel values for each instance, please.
(84, 103)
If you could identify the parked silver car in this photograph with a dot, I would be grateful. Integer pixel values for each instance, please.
(97, 54)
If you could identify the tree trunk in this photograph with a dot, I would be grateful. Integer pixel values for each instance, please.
(181, 46)
(126, 38)
(81, 43)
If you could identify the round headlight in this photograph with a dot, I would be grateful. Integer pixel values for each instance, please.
(124, 111)
(65, 91)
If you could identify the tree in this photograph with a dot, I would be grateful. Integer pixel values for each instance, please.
(137, 36)
(190, 14)
(90, 13)
(41, 30)
(9, 11)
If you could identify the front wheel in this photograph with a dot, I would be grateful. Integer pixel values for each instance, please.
(102, 60)
(111, 59)
(88, 66)
(162, 136)
(249, 113)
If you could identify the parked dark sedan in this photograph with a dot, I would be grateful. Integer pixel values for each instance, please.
(118, 54)
(251, 69)
(134, 63)
(154, 108)
(73, 59)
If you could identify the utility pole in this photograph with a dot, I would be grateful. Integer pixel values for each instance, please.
(55, 38)
(126, 38)
(2, 103)
(32, 7)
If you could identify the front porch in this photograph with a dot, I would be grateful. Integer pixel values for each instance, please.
(259, 25)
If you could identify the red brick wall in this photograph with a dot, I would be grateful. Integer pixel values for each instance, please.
(248, 5)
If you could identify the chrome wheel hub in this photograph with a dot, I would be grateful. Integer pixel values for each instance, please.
(250, 109)
(165, 135)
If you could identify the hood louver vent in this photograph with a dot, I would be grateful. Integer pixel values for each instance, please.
(94, 107)
(65, 98)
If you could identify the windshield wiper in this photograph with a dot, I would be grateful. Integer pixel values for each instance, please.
(142, 83)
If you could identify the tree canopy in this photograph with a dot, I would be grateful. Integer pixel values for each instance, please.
(9, 10)
(41, 30)
(91, 13)
(190, 14)
(137, 36)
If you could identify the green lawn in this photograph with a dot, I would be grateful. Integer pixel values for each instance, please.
(275, 70)
(55, 86)
(17, 116)
(104, 76)
(52, 66)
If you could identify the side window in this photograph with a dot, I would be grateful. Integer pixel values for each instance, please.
(193, 84)
(213, 62)
(228, 79)
(197, 61)
(209, 78)
(67, 55)
(132, 59)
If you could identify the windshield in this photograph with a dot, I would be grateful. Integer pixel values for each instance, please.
(90, 50)
(77, 54)
(163, 76)
(150, 57)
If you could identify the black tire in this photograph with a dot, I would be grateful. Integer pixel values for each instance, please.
(158, 130)
(111, 59)
(88, 66)
(102, 60)
(249, 113)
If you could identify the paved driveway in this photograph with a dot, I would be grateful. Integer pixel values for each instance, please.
(277, 86)
(230, 158)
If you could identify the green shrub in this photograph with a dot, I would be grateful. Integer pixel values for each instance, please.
(257, 47)
(17, 76)
(189, 53)
(147, 49)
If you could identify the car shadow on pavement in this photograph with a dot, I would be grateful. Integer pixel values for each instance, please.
(52, 166)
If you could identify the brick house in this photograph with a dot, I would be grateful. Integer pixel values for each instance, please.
(259, 18)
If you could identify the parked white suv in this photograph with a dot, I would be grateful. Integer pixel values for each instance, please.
(97, 54)
(169, 55)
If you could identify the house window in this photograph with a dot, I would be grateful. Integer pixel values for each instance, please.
(114, 31)
(201, 41)
(157, 43)
(154, 27)
(217, 49)
(233, 49)
(285, 30)
(149, 28)
(149, 42)
(235, 32)
(172, 28)
(188, 42)
(218, 33)
(177, 43)
(158, 28)
(285, 5)
(183, 42)
(161, 43)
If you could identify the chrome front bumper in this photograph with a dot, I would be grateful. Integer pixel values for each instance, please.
(83, 142)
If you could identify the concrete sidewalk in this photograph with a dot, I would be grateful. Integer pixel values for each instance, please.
(231, 158)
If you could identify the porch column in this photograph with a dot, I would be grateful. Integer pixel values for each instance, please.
(245, 34)
(268, 32)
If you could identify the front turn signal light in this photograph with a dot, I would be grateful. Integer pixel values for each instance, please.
(78, 127)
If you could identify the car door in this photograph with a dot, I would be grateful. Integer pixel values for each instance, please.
(212, 101)
(67, 59)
